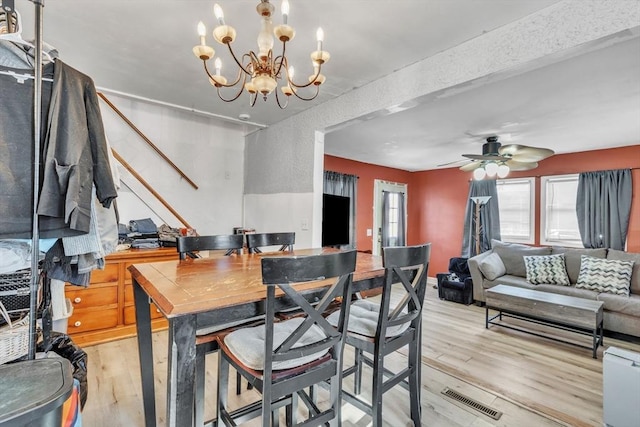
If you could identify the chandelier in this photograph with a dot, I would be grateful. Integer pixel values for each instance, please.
(261, 72)
(491, 169)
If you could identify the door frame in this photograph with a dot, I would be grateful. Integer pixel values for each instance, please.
(379, 186)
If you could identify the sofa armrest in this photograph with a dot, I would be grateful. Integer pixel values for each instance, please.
(477, 276)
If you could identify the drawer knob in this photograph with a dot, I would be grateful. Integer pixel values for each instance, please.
(77, 300)
(78, 323)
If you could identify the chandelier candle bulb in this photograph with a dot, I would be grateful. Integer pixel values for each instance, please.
(202, 32)
(320, 38)
(217, 11)
(285, 11)
(218, 64)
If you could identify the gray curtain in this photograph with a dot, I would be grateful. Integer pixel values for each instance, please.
(387, 240)
(340, 184)
(603, 206)
(489, 218)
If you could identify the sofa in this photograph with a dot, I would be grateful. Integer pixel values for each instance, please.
(596, 274)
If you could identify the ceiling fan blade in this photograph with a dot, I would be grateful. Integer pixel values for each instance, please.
(452, 163)
(524, 153)
(471, 166)
(515, 165)
(481, 157)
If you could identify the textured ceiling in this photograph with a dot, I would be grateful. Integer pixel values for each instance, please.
(143, 48)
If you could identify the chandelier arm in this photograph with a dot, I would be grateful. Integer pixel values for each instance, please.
(253, 99)
(236, 59)
(282, 58)
(282, 107)
(230, 99)
(206, 69)
(308, 84)
(306, 99)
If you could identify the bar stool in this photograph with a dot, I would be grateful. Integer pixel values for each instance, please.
(206, 342)
(257, 240)
(282, 359)
(380, 329)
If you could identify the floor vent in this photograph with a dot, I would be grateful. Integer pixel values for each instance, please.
(474, 404)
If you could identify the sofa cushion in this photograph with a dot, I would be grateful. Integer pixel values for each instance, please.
(512, 253)
(492, 267)
(517, 281)
(572, 259)
(571, 291)
(605, 275)
(546, 269)
(635, 274)
(629, 305)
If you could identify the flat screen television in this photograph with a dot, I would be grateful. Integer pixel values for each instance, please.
(335, 220)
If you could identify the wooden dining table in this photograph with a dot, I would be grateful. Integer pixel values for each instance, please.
(199, 293)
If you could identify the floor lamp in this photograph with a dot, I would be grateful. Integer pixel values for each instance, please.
(478, 230)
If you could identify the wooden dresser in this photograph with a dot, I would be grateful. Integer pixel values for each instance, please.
(105, 310)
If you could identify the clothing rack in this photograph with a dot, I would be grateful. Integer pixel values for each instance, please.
(9, 6)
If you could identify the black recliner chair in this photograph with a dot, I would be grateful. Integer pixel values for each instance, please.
(456, 285)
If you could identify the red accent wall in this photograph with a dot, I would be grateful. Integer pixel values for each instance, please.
(366, 173)
(437, 198)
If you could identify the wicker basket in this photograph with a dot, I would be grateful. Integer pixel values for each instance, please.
(14, 337)
(15, 290)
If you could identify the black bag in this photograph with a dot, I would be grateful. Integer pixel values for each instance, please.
(62, 345)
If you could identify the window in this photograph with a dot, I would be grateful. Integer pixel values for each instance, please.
(516, 206)
(393, 226)
(558, 218)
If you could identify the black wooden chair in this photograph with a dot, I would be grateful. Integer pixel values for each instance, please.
(381, 329)
(282, 359)
(257, 240)
(189, 245)
(206, 342)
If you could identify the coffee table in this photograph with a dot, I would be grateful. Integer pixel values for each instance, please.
(565, 312)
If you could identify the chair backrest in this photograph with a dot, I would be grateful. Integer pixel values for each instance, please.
(408, 266)
(257, 240)
(188, 244)
(280, 272)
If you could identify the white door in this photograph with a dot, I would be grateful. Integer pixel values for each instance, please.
(378, 187)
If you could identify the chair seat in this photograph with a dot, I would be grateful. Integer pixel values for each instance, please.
(247, 344)
(363, 319)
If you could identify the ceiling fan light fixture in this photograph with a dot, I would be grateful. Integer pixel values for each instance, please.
(479, 174)
(503, 171)
(491, 169)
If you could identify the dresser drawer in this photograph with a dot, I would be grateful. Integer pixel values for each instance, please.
(130, 313)
(91, 320)
(109, 274)
(92, 297)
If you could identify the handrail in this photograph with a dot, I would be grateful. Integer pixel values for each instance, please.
(133, 172)
(147, 140)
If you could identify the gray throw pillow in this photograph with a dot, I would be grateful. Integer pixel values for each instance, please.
(492, 266)
(635, 273)
(512, 256)
(605, 275)
(546, 270)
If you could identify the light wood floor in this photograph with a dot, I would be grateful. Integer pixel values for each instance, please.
(532, 380)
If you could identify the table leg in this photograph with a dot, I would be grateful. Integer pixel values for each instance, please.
(181, 371)
(145, 353)
(596, 339)
(486, 317)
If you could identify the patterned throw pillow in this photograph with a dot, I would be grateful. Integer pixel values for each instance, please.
(605, 275)
(546, 269)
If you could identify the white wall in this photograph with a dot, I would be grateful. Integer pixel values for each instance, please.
(208, 150)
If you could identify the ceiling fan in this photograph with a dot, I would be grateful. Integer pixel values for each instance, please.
(498, 159)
